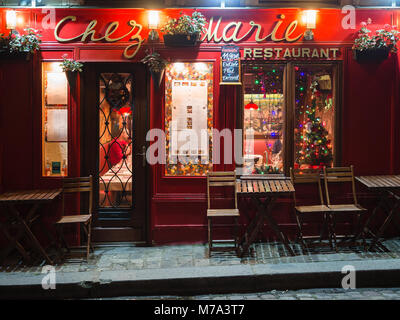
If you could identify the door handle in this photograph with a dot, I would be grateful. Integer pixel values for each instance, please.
(143, 154)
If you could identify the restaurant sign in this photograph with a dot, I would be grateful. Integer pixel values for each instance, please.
(291, 53)
(229, 32)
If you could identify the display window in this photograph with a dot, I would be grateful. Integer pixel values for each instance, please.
(189, 118)
(263, 118)
(54, 120)
(314, 116)
(289, 116)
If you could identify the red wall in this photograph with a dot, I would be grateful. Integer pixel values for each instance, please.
(370, 112)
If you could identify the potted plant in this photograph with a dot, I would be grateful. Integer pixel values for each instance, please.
(370, 47)
(184, 31)
(156, 65)
(20, 45)
(71, 67)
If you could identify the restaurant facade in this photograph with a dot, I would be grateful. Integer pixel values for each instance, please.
(261, 113)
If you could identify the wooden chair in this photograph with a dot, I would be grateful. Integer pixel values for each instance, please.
(222, 179)
(310, 177)
(77, 185)
(343, 175)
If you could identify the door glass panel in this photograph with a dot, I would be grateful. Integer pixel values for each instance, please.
(314, 116)
(115, 140)
(263, 125)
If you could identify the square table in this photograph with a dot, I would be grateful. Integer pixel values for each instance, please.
(22, 222)
(387, 186)
(263, 192)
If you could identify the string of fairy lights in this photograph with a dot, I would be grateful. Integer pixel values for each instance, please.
(313, 147)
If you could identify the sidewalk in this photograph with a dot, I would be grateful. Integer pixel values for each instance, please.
(186, 270)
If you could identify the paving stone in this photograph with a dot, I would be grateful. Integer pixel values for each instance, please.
(263, 254)
(251, 297)
(268, 297)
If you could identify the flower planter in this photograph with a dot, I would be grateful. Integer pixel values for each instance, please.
(5, 55)
(181, 40)
(71, 78)
(371, 55)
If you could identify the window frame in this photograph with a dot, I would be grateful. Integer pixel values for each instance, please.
(289, 108)
(42, 174)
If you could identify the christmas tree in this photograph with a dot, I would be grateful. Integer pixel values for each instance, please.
(316, 148)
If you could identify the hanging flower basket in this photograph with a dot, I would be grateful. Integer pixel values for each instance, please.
(371, 55)
(71, 78)
(184, 31)
(157, 77)
(181, 40)
(6, 55)
(375, 47)
(156, 65)
(16, 46)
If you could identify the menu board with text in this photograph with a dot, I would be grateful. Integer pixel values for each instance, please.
(230, 65)
(189, 116)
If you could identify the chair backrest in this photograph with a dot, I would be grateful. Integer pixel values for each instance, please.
(221, 179)
(337, 175)
(79, 184)
(307, 176)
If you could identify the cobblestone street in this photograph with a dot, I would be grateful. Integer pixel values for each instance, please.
(187, 272)
(308, 294)
(130, 257)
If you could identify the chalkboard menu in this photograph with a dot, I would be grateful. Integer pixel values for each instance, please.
(230, 65)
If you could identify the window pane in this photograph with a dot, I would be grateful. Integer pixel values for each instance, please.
(314, 112)
(263, 118)
(115, 140)
(54, 120)
(189, 118)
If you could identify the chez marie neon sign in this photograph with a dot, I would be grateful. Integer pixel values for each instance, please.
(230, 33)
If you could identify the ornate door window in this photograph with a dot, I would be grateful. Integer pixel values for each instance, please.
(115, 140)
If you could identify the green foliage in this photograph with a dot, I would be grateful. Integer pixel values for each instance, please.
(383, 38)
(155, 62)
(266, 169)
(16, 42)
(71, 65)
(185, 24)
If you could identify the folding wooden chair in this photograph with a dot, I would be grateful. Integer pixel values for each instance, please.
(343, 175)
(222, 179)
(310, 177)
(77, 185)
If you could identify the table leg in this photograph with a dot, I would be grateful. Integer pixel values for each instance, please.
(252, 229)
(263, 212)
(275, 227)
(381, 205)
(14, 244)
(28, 231)
(13, 215)
(382, 229)
(389, 209)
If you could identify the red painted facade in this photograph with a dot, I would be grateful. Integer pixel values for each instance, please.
(370, 118)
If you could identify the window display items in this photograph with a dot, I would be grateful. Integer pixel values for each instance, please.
(313, 142)
(263, 117)
(188, 109)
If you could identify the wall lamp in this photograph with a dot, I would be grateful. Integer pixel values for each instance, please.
(153, 21)
(309, 19)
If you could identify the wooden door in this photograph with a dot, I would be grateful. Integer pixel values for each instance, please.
(114, 121)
